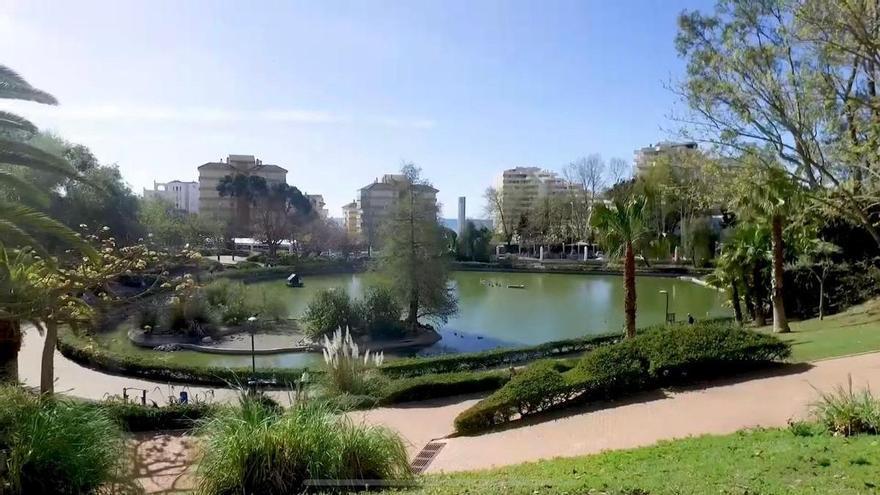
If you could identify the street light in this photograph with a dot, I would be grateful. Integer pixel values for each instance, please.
(251, 324)
(666, 314)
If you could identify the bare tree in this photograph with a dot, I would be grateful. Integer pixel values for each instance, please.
(501, 213)
(588, 176)
(618, 171)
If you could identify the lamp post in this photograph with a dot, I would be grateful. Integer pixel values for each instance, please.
(251, 323)
(666, 314)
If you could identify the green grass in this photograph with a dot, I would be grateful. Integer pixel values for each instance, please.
(766, 462)
(853, 331)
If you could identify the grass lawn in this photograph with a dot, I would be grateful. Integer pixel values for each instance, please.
(762, 462)
(850, 332)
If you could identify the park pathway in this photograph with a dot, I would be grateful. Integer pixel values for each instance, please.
(715, 408)
(723, 407)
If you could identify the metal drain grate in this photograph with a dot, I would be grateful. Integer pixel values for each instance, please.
(423, 459)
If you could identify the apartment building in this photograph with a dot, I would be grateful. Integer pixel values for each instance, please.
(521, 187)
(211, 204)
(318, 205)
(378, 200)
(351, 219)
(183, 195)
(646, 158)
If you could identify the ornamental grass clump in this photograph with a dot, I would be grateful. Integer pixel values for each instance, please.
(255, 449)
(53, 445)
(347, 370)
(847, 412)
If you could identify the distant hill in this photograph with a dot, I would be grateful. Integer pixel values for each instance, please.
(452, 223)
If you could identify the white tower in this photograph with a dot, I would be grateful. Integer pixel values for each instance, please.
(461, 214)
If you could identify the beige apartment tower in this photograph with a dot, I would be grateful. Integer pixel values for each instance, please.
(214, 206)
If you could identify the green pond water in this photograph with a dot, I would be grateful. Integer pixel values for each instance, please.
(549, 307)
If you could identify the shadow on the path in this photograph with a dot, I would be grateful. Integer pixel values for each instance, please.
(578, 408)
(160, 462)
(438, 402)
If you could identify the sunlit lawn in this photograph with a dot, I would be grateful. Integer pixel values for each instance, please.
(768, 462)
(851, 332)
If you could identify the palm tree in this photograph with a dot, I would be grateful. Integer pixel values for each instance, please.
(622, 226)
(768, 200)
(21, 299)
(20, 223)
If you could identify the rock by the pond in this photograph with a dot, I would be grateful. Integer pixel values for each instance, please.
(207, 340)
(167, 348)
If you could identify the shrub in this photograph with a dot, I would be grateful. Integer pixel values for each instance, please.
(246, 265)
(149, 314)
(380, 314)
(441, 385)
(270, 305)
(217, 292)
(252, 450)
(845, 412)
(657, 357)
(54, 445)
(328, 310)
(190, 314)
(135, 417)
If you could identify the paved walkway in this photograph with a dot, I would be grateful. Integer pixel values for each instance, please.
(725, 407)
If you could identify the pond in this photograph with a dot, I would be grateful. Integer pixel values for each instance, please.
(548, 307)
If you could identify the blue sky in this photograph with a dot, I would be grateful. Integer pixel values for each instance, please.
(342, 92)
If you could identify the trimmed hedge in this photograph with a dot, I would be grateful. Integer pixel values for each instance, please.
(306, 267)
(441, 385)
(135, 417)
(94, 356)
(658, 357)
(493, 359)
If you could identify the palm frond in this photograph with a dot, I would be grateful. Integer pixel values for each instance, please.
(12, 122)
(23, 188)
(14, 152)
(13, 234)
(13, 86)
(28, 219)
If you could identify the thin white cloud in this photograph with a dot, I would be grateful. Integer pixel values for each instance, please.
(124, 113)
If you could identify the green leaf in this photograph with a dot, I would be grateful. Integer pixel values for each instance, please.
(13, 86)
(14, 152)
(12, 122)
(23, 188)
(29, 220)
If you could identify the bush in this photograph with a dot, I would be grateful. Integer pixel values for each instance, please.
(270, 305)
(441, 385)
(846, 284)
(54, 445)
(135, 417)
(246, 265)
(845, 412)
(494, 358)
(190, 314)
(328, 310)
(149, 314)
(235, 303)
(380, 314)
(347, 371)
(252, 450)
(657, 357)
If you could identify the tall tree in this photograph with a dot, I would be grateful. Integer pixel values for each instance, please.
(415, 256)
(244, 189)
(501, 210)
(278, 213)
(622, 226)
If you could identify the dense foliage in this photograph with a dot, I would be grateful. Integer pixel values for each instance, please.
(52, 445)
(657, 357)
(255, 449)
(377, 314)
(135, 417)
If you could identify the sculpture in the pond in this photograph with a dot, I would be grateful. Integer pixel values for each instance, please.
(294, 281)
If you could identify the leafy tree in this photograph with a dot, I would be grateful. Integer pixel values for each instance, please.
(245, 189)
(621, 226)
(475, 244)
(414, 258)
(501, 213)
(172, 228)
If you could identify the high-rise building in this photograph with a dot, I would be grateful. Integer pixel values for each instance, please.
(646, 158)
(462, 218)
(211, 204)
(351, 219)
(183, 195)
(378, 200)
(521, 187)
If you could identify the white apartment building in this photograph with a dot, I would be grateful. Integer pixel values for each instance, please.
(221, 208)
(183, 195)
(646, 158)
(521, 187)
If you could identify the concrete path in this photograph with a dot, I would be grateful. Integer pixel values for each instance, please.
(723, 407)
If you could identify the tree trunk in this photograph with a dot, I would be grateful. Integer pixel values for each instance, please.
(780, 322)
(47, 365)
(760, 317)
(413, 316)
(629, 290)
(10, 344)
(734, 300)
(748, 296)
(822, 297)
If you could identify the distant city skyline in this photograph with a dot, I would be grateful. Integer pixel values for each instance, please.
(340, 93)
